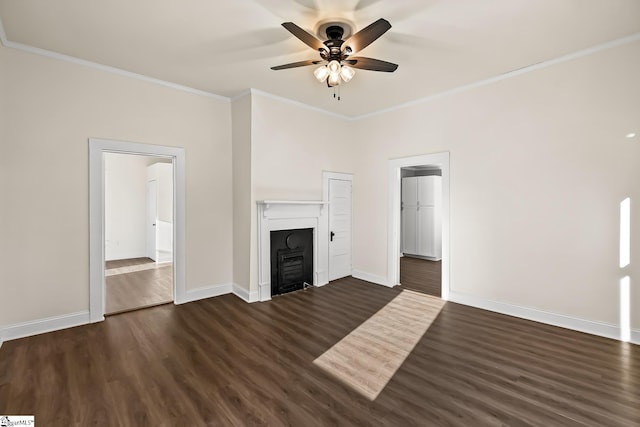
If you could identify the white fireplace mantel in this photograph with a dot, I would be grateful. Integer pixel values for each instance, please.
(276, 215)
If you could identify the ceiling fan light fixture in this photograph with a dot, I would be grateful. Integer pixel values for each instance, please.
(334, 79)
(339, 46)
(347, 73)
(334, 67)
(321, 73)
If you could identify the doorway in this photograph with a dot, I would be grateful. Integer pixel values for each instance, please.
(421, 229)
(175, 156)
(138, 215)
(422, 274)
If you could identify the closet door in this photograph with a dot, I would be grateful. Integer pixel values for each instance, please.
(426, 190)
(410, 191)
(409, 230)
(410, 215)
(426, 231)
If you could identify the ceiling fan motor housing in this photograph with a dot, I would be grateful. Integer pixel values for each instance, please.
(335, 32)
(334, 43)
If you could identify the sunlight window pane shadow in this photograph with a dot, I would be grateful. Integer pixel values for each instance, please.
(625, 309)
(625, 232)
(625, 260)
(370, 355)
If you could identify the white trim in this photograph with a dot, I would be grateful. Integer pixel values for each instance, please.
(523, 70)
(96, 216)
(106, 68)
(373, 278)
(326, 176)
(244, 294)
(41, 326)
(204, 292)
(298, 104)
(393, 233)
(241, 95)
(568, 322)
(288, 216)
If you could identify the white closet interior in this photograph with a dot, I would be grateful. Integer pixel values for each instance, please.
(421, 216)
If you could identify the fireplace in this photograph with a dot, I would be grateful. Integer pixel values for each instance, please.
(291, 260)
(288, 216)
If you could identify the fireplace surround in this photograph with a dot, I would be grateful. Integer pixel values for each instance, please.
(274, 215)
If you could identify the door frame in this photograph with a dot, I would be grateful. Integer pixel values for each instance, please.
(394, 221)
(147, 225)
(97, 147)
(326, 177)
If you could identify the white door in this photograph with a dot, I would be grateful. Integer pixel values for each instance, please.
(339, 229)
(426, 231)
(410, 191)
(409, 230)
(152, 207)
(410, 215)
(427, 190)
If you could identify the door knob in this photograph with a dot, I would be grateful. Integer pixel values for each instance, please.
(331, 236)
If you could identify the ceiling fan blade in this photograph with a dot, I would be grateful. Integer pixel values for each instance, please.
(371, 64)
(367, 35)
(296, 64)
(307, 38)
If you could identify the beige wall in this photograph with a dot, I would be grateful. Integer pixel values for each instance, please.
(539, 164)
(50, 109)
(291, 147)
(243, 258)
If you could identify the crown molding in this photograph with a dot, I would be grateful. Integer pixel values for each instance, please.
(296, 103)
(106, 68)
(241, 95)
(517, 72)
(523, 70)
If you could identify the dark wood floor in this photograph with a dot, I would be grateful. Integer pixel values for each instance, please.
(224, 362)
(421, 275)
(131, 284)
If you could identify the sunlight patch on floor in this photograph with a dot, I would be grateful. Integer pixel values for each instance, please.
(370, 355)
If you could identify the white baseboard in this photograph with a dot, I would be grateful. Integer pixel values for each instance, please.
(205, 292)
(582, 325)
(162, 259)
(264, 291)
(41, 326)
(244, 294)
(378, 280)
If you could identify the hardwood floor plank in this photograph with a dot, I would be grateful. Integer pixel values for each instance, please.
(131, 284)
(421, 275)
(222, 362)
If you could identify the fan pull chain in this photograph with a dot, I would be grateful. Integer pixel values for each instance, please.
(336, 95)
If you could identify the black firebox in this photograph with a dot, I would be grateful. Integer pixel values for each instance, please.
(291, 260)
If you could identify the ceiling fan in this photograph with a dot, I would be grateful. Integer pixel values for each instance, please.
(336, 62)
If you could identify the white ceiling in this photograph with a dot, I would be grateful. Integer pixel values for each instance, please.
(226, 47)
